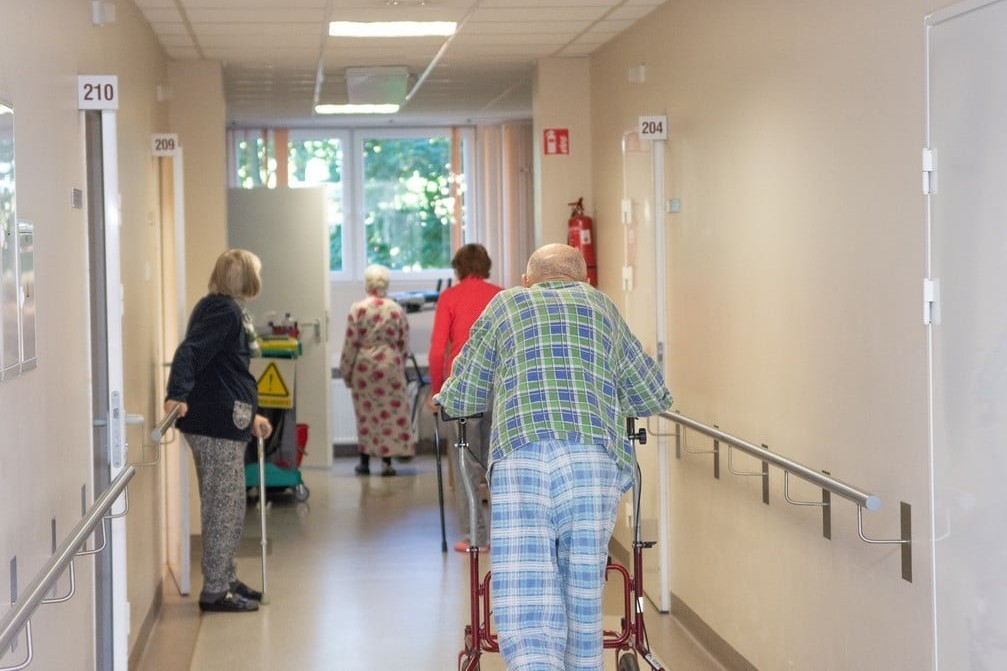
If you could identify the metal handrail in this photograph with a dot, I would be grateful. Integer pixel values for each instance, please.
(860, 497)
(166, 422)
(826, 482)
(19, 615)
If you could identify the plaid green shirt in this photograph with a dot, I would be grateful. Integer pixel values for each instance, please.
(559, 363)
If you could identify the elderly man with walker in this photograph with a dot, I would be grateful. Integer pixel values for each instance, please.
(563, 370)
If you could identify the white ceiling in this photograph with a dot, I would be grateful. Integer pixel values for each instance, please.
(278, 59)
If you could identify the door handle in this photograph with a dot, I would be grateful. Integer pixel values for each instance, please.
(318, 324)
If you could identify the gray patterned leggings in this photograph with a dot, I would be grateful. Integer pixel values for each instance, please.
(220, 469)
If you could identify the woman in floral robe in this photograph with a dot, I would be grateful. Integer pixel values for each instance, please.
(373, 367)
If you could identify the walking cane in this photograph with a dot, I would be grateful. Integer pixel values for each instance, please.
(440, 480)
(262, 513)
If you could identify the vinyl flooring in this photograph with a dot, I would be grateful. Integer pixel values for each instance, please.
(356, 580)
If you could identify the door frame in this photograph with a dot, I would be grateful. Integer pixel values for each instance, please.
(108, 404)
(177, 531)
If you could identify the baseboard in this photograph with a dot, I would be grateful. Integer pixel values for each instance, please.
(707, 637)
(146, 632)
(703, 633)
(423, 446)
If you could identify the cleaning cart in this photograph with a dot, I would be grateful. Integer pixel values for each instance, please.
(275, 373)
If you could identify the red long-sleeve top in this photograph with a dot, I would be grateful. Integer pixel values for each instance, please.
(458, 308)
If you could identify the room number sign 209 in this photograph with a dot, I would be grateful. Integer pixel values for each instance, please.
(163, 144)
(98, 92)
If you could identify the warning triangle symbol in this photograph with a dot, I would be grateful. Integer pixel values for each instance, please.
(271, 383)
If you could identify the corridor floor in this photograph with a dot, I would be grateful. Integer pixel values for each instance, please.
(356, 581)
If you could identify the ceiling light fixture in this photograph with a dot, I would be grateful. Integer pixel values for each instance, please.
(356, 109)
(392, 28)
(383, 84)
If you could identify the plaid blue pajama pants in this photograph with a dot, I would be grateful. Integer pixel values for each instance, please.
(554, 506)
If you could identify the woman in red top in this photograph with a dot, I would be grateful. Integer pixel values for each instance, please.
(458, 307)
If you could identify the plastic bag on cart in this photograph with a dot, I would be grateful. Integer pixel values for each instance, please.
(282, 446)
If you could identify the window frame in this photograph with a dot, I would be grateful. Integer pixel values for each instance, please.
(348, 186)
(352, 183)
(360, 135)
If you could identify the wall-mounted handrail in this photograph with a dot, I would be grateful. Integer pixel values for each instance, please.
(165, 424)
(825, 481)
(19, 615)
(861, 498)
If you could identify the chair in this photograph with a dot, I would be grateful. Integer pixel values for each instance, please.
(416, 380)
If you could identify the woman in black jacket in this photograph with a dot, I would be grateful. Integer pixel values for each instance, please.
(218, 398)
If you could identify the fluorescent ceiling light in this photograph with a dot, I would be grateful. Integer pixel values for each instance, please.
(391, 28)
(356, 109)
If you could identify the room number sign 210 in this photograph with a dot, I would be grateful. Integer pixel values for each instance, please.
(97, 92)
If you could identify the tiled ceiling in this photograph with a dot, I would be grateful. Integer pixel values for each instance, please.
(278, 59)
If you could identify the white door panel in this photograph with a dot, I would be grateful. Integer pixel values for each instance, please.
(288, 230)
(967, 129)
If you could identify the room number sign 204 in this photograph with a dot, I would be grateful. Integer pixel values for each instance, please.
(653, 127)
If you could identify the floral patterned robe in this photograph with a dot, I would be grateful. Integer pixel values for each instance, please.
(373, 367)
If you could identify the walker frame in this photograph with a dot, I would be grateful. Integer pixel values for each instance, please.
(630, 643)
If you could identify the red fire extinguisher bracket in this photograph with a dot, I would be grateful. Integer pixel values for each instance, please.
(580, 235)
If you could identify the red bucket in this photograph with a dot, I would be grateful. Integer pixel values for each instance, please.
(302, 442)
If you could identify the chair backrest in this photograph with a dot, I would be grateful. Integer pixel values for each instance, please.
(417, 372)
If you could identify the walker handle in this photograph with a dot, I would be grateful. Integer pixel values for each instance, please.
(450, 418)
(639, 436)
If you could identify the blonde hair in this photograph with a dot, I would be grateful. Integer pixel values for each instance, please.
(376, 279)
(236, 274)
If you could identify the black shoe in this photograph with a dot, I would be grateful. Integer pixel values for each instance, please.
(244, 591)
(229, 603)
(360, 469)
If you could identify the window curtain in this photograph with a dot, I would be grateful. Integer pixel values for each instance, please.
(504, 222)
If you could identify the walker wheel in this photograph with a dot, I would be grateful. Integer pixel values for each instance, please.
(466, 662)
(301, 492)
(628, 663)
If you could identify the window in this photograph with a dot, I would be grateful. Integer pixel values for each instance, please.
(319, 162)
(255, 160)
(407, 187)
(408, 201)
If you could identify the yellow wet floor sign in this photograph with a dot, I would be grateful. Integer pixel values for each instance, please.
(274, 392)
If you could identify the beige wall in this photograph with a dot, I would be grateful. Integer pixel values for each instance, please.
(795, 269)
(45, 456)
(561, 95)
(198, 116)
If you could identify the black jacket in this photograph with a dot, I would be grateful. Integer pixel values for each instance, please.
(210, 372)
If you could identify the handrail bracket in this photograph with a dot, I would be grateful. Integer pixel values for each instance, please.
(29, 652)
(823, 479)
(906, 541)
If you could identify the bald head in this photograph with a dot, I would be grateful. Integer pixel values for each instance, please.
(556, 262)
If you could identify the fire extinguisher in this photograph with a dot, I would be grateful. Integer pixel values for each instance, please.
(580, 234)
